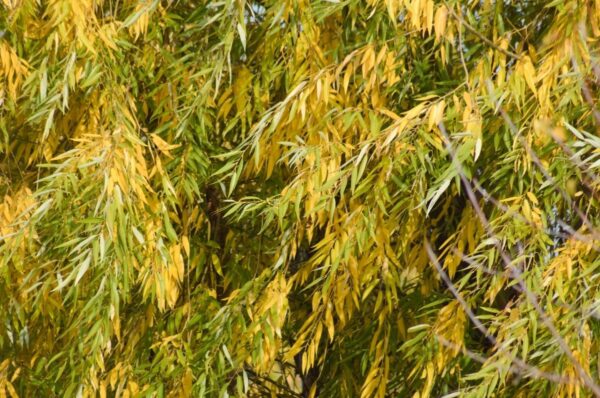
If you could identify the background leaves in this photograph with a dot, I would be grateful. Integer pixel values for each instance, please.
(299, 198)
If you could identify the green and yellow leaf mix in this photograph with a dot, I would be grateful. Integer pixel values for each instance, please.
(293, 198)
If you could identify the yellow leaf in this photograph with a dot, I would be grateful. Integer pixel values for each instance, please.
(11, 389)
(436, 114)
(178, 260)
(329, 322)
(162, 145)
(527, 211)
(240, 88)
(529, 72)
(415, 11)
(533, 198)
(186, 383)
(392, 9)
(414, 112)
(185, 242)
(133, 388)
(439, 24)
(347, 75)
(15, 375)
(103, 389)
(217, 264)
(429, 15)
(368, 61)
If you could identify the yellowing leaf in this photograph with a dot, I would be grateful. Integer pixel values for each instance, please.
(162, 145)
(440, 20)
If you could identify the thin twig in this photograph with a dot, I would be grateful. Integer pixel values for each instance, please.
(516, 273)
(479, 35)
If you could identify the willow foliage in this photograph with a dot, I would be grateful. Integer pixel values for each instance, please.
(299, 198)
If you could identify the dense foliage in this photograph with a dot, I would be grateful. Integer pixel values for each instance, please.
(297, 198)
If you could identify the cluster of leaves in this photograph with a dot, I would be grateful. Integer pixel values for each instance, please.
(299, 198)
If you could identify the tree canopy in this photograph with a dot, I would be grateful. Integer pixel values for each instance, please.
(299, 198)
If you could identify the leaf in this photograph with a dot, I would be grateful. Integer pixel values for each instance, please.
(435, 195)
(48, 125)
(138, 235)
(440, 20)
(82, 269)
(162, 145)
(242, 32)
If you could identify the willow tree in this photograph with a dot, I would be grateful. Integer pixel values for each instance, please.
(299, 198)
